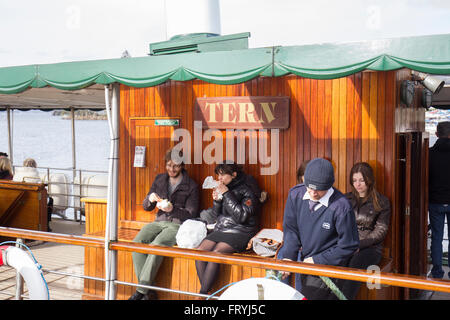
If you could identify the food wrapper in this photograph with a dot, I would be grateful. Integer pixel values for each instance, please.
(210, 183)
(163, 204)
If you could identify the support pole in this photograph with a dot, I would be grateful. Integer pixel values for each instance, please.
(10, 141)
(74, 158)
(112, 110)
(19, 278)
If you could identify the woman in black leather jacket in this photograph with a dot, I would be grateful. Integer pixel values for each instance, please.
(372, 212)
(237, 209)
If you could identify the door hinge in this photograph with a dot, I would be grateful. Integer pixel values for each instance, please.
(407, 211)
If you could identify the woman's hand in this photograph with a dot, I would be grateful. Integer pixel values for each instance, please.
(221, 188)
(216, 195)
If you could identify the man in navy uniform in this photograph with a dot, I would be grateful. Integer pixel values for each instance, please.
(318, 227)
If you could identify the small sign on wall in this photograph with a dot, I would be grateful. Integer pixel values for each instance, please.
(139, 157)
(243, 112)
(167, 122)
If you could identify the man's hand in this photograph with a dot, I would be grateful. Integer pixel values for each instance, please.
(167, 209)
(153, 197)
(309, 260)
(285, 274)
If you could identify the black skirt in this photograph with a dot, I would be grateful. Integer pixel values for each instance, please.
(238, 241)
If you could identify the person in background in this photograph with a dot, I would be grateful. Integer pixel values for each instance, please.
(3, 154)
(439, 195)
(318, 227)
(301, 171)
(237, 209)
(372, 213)
(5, 168)
(27, 173)
(30, 174)
(183, 194)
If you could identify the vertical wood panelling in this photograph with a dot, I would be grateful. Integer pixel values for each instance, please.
(346, 120)
(343, 119)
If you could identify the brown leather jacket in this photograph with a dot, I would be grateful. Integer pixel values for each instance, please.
(372, 225)
(185, 198)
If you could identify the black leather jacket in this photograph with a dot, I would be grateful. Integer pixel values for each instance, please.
(238, 211)
(372, 225)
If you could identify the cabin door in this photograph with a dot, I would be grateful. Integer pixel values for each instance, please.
(157, 140)
(413, 207)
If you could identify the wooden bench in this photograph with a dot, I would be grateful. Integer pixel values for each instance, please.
(174, 273)
(23, 205)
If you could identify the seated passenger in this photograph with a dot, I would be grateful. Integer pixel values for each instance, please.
(27, 173)
(183, 197)
(30, 174)
(318, 227)
(301, 171)
(372, 212)
(5, 169)
(237, 209)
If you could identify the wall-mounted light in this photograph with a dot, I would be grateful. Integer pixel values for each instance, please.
(432, 83)
(427, 97)
(407, 91)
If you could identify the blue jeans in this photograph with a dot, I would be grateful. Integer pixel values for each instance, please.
(437, 213)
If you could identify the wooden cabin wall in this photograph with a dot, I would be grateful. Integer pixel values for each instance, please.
(346, 120)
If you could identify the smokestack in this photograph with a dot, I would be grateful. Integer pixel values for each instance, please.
(192, 17)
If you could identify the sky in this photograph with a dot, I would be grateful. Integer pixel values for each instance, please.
(44, 31)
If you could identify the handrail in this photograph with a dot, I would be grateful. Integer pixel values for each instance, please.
(51, 237)
(383, 278)
(409, 281)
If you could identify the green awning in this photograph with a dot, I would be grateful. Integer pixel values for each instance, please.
(429, 54)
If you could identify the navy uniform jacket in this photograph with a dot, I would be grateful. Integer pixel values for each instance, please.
(329, 235)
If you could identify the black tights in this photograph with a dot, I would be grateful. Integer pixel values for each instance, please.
(208, 271)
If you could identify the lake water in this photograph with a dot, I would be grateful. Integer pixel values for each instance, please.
(48, 140)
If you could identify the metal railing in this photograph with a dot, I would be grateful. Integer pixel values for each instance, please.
(382, 278)
(76, 189)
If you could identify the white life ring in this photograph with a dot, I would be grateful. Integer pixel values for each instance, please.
(257, 288)
(28, 269)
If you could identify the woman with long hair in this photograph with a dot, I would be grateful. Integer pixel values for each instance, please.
(237, 209)
(372, 212)
(5, 169)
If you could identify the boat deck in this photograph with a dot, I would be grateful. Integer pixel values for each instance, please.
(70, 259)
(56, 257)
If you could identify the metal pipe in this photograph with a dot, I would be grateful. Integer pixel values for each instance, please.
(10, 141)
(74, 160)
(108, 201)
(112, 111)
(115, 183)
(164, 289)
(19, 278)
(72, 275)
